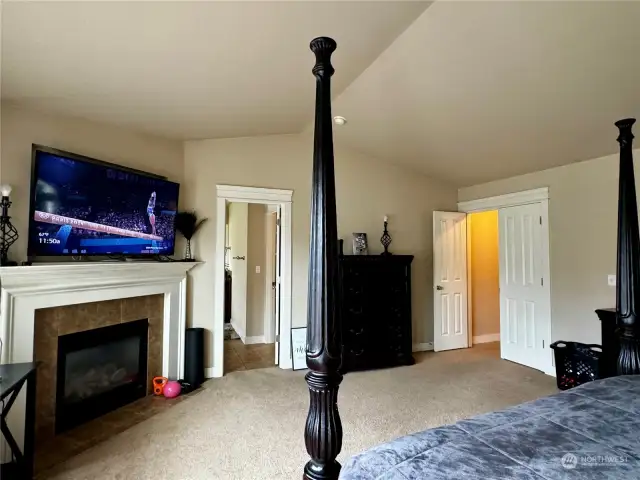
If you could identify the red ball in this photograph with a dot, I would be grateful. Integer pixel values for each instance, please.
(172, 389)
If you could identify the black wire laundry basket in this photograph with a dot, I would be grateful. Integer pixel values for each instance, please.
(576, 363)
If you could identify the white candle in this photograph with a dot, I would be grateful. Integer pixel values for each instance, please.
(386, 219)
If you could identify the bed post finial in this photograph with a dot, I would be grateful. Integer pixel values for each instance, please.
(323, 430)
(628, 258)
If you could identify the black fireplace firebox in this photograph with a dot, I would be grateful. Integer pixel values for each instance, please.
(99, 371)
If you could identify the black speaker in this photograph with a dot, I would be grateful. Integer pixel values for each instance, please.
(194, 356)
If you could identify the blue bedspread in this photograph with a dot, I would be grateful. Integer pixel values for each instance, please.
(589, 432)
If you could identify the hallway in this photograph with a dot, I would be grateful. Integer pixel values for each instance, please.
(238, 356)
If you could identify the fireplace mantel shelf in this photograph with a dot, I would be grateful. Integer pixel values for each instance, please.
(86, 275)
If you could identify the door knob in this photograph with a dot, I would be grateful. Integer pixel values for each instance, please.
(239, 258)
(439, 287)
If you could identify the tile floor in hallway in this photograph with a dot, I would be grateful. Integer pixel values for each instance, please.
(238, 356)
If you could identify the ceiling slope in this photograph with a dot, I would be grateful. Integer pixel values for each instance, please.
(476, 91)
(188, 70)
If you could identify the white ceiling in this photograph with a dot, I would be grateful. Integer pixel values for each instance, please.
(468, 92)
(188, 69)
(476, 91)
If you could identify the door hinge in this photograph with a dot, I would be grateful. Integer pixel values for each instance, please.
(277, 337)
(542, 343)
(542, 282)
(540, 220)
(278, 222)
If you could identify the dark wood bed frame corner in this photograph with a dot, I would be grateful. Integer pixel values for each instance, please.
(323, 430)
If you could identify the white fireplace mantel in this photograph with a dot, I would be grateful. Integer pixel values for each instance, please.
(23, 290)
(70, 276)
(26, 289)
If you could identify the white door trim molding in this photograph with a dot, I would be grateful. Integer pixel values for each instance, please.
(269, 332)
(233, 193)
(546, 274)
(508, 200)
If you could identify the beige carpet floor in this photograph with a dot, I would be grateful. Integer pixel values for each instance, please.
(249, 425)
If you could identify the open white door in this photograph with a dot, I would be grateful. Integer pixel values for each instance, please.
(277, 285)
(238, 232)
(450, 281)
(524, 297)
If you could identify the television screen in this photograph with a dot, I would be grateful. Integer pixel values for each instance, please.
(85, 207)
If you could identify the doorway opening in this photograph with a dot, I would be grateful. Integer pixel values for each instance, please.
(272, 324)
(251, 264)
(491, 278)
(484, 281)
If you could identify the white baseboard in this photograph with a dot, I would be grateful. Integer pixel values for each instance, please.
(252, 340)
(422, 347)
(491, 337)
(240, 331)
(208, 372)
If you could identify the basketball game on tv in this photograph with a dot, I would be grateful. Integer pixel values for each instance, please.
(80, 207)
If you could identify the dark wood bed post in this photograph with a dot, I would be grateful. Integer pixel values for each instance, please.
(628, 261)
(323, 431)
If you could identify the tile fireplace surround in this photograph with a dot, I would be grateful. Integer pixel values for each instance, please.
(53, 322)
(35, 292)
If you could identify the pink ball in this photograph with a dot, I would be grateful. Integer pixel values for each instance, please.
(172, 389)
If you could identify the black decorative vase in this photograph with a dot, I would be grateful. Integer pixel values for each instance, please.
(386, 240)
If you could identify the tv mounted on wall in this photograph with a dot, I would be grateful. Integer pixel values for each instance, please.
(82, 206)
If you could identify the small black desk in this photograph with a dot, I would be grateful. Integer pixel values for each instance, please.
(14, 376)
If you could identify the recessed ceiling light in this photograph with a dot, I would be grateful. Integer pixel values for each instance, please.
(339, 120)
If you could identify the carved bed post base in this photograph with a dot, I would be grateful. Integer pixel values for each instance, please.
(323, 422)
(629, 356)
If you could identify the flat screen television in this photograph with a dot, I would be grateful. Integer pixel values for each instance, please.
(83, 206)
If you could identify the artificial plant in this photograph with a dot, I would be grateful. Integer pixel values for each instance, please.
(187, 224)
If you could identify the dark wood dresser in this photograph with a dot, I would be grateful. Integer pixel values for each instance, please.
(376, 311)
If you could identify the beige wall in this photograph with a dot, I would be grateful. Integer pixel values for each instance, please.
(22, 127)
(582, 235)
(485, 273)
(366, 191)
(256, 256)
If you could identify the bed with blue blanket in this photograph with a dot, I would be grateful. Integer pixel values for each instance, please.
(589, 432)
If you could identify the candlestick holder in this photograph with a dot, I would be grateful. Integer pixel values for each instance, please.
(385, 240)
(8, 233)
